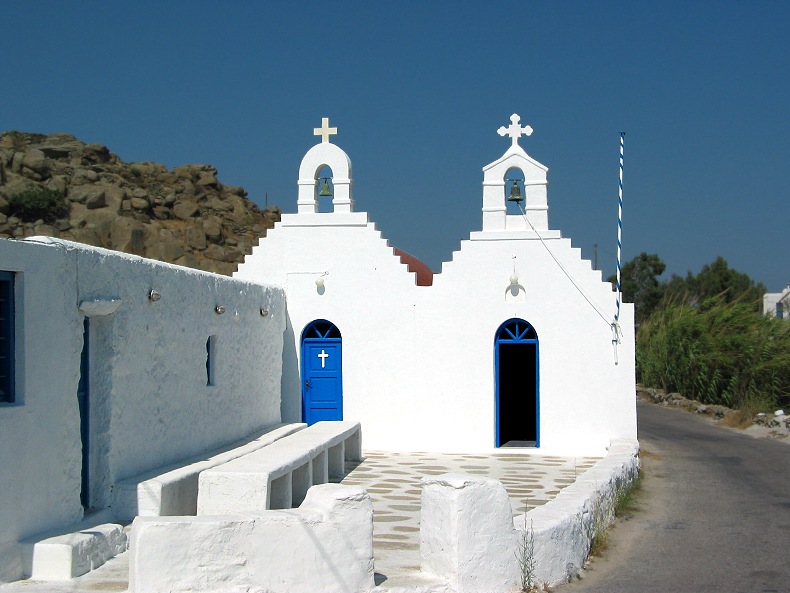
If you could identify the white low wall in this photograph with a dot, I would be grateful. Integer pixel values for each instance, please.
(469, 538)
(325, 545)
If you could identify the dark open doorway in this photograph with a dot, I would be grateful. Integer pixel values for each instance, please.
(517, 381)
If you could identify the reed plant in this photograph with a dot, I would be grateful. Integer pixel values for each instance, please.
(717, 353)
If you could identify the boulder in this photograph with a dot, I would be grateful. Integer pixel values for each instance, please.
(196, 238)
(35, 160)
(208, 179)
(212, 227)
(46, 230)
(127, 235)
(95, 200)
(96, 153)
(82, 193)
(58, 183)
(188, 260)
(161, 212)
(215, 252)
(82, 176)
(185, 210)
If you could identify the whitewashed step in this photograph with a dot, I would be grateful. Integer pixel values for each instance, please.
(70, 555)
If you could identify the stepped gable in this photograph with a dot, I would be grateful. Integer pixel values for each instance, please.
(184, 216)
(423, 273)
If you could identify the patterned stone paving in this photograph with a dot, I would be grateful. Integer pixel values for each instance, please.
(393, 482)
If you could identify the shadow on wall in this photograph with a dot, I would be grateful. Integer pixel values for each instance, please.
(290, 388)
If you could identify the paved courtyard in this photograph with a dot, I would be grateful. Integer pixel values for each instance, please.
(393, 481)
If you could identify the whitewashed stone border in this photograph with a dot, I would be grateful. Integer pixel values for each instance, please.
(468, 538)
(324, 545)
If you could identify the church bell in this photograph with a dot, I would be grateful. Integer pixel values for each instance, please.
(325, 191)
(515, 193)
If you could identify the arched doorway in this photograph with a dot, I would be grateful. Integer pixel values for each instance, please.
(322, 377)
(517, 385)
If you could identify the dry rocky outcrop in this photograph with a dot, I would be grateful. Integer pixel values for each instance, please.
(184, 216)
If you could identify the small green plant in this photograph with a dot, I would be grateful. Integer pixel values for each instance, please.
(135, 171)
(598, 527)
(625, 499)
(34, 204)
(525, 555)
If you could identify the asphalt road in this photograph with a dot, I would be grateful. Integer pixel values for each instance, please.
(714, 514)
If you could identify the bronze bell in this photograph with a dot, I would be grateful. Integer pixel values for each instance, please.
(515, 193)
(325, 191)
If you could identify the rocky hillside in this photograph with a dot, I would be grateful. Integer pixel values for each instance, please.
(58, 186)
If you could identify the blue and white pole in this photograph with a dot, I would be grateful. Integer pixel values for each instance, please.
(616, 323)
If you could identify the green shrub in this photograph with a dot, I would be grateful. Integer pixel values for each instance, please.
(34, 204)
(717, 353)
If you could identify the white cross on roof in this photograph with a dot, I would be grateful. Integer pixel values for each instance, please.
(324, 131)
(515, 130)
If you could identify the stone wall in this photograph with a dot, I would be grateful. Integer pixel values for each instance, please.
(324, 545)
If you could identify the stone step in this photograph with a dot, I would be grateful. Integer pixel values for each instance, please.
(56, 557)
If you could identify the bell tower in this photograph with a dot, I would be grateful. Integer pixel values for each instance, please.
(495, 216)
(325, 154)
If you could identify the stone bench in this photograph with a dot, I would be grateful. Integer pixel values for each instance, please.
(279, 476)
(173, 490)
(325, 545)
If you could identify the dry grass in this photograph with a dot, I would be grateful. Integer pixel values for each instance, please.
(647, 454)
(736, 419)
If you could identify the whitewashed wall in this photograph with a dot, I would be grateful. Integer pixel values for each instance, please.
(150, 404)
(418, 362)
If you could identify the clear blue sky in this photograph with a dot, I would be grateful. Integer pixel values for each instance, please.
(418, 90)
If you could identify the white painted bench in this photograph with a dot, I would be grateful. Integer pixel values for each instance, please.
(278, 476)
(173, 490)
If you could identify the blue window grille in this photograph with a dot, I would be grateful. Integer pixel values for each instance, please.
(7, 337)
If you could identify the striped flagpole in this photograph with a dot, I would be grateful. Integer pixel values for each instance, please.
(616, 323)
(619, 228)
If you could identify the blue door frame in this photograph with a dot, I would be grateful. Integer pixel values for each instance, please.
(517, 384)
(322, 372)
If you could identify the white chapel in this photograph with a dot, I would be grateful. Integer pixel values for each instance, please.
(510, 345)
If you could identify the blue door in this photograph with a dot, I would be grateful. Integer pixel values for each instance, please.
(517, 385)
(322, 373)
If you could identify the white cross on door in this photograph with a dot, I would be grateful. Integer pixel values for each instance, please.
(323, 356)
